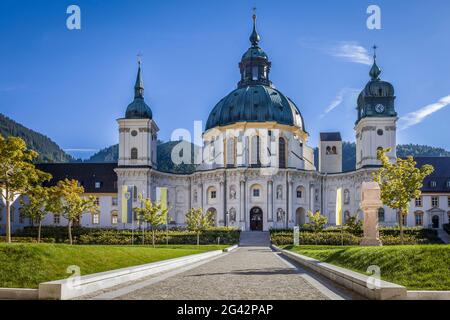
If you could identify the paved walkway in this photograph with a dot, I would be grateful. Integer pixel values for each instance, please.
(250, 272)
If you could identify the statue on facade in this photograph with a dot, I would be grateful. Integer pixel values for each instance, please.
(346, 196)
(232, 216)
(280, 215)
(232, 193)
(279, 192)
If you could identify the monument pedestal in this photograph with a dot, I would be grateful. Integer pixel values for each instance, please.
(370, 204)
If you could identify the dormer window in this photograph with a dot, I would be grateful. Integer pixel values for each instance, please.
(433, 184)
(448, 183)
(98, 185)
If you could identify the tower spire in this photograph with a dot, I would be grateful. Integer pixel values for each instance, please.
(375, 71)
(139, 86)
(254, 37)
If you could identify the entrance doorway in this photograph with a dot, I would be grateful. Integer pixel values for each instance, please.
(435, 222)
(256, 219)
(300, 216)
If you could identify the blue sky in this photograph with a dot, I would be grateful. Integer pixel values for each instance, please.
(73, 85)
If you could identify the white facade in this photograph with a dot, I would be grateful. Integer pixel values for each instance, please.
(257, 174)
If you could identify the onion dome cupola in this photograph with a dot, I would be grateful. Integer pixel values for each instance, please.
(138, 109)
(378, 97)
(255, 99)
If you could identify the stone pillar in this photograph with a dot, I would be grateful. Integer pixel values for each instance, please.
(242, 200)
(200, 187)
(370, 203)
(270, 201)
(221, 211)
(290, 196)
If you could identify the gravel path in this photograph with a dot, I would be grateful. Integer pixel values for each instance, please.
(249, 273)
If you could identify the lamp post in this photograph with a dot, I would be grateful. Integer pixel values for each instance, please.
(141, 222)
(128, 197)
(227, 218)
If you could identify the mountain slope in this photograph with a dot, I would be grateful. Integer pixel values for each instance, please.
(48, 150)
(165, 163)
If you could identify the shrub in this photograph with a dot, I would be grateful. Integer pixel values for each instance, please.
(333, 236)
(354, 226)
(124, 237)
(317, 238)
(28, 240)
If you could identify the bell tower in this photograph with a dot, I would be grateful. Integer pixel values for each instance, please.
(376, 126)
(138, 131)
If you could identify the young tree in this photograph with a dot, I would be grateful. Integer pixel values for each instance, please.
(66, 199)
(197, 221)
(17, 173)
(152, 213)
(400, 182)
(317, 221)
(354, 225)
(35, 206)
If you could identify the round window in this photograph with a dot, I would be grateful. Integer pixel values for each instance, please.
(380, 132)
(134, 133)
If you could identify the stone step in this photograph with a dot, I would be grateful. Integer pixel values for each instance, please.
(249, 238)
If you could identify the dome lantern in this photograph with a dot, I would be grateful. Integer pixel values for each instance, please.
(255, 64)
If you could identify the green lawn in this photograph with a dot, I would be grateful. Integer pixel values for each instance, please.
(416, 267)
(27, 265)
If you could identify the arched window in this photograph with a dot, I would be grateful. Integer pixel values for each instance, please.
(346, 216)
(96, 218)
(134, 154)
(282, 153)
(255, 159)
(381, 215)
(328, 150)
(211, 194)
(135, 193)
(114, 217)
(231, 152)
(418, 218)
(300, 192)
(256, 191)
(334, 150)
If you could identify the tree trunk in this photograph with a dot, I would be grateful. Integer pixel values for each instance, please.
(153, 237)
(198, 238)
(70, 231)
(39, 231)
(8, 219)
(402, 241)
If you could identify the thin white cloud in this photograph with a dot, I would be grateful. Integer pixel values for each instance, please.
(416, 117)
(351, 52)
(80, 150)
(343, 95)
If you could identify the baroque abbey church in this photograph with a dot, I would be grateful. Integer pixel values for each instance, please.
(257, 170)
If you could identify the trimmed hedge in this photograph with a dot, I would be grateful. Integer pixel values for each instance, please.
(27, 240)
(124, 237)
(319, 238)
(333, 236)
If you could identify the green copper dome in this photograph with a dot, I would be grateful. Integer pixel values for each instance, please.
(256, 103)
(138, 109)
(255, 99)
